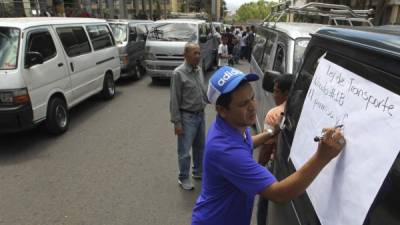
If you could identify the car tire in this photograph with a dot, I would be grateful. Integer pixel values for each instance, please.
(57, 119)
(108, 91)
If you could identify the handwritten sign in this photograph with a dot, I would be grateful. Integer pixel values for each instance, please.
(345, 189)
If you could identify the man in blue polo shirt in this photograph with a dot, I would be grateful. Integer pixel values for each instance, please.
(231, 177)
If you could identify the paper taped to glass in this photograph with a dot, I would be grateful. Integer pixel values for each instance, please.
(345, 189)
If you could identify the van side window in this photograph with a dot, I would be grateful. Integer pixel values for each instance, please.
(270, 40)
(280, 59)
(141, 31)
(42, 42)
(208, 28)
(203, 30)
(74, 40)
(100, 36)
(132, 33)
(299, 92)
(259, 44)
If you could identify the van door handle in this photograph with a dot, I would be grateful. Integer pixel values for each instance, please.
(60, 64)
(72, 66)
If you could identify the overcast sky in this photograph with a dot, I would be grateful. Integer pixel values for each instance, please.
(235, 4)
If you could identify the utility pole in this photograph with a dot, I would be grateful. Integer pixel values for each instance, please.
(187, 6)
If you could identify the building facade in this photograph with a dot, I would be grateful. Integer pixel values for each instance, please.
(122, 9)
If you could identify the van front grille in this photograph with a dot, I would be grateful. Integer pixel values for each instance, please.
(176, 57)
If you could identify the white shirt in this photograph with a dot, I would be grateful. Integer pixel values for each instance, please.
(243, 41)
(222, 50)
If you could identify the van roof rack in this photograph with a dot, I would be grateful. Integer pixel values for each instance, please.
(334, 12)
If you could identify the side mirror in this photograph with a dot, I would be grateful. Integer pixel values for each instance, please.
(33, 58)
(268, 80)
(203, 38)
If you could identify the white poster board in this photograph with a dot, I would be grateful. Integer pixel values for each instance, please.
(345, 189)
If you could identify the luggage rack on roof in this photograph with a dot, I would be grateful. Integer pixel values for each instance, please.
(334, 12)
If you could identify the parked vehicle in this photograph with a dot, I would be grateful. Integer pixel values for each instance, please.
(130, 36)
(371, 53)
(218, 24)
(280, 46)
(165, 45)
(48, 65)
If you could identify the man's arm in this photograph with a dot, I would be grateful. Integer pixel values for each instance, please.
(296, 184)
(175, 100)
(261, 138)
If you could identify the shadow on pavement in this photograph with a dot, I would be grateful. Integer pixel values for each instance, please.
(22, 146)
(161, 83)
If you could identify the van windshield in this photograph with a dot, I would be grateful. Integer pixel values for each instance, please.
(173, 32)
(120, 32)
(9, 42)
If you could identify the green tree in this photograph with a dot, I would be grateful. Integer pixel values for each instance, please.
(253, 11)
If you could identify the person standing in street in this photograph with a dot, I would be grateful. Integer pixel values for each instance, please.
(232, 177)
(243, 46)
(187, 102)
(223, 53)
(250, 41)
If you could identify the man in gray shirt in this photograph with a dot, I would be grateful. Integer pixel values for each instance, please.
(187, 103)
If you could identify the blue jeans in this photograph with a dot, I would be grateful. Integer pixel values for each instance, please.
(193, 137)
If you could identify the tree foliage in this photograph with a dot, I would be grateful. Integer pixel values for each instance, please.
(253, 11)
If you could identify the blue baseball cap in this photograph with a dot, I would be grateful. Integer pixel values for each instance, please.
(225, 80)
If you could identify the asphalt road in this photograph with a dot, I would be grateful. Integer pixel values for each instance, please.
(117, 165)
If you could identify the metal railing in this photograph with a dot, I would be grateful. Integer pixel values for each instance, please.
(333, 12)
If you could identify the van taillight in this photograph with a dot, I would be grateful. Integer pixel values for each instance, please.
(14, 97)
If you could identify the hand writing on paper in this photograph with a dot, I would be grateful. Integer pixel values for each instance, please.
(331, 143)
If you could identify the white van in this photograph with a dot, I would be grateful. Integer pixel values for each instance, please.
(48, 65)
(165, 44)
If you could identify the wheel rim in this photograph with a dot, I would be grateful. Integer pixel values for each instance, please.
(61, 116)
(110, 86)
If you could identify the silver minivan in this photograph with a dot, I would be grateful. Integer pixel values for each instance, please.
(130, 37)
(278, 47)
(49, 65)
(166, 41)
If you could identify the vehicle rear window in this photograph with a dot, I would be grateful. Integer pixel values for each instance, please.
(100, 36)
(120, 32)
(74, 40)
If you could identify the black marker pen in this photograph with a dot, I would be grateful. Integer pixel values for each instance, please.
(320, 138)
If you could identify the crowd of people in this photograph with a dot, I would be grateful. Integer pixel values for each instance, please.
(234, 44)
